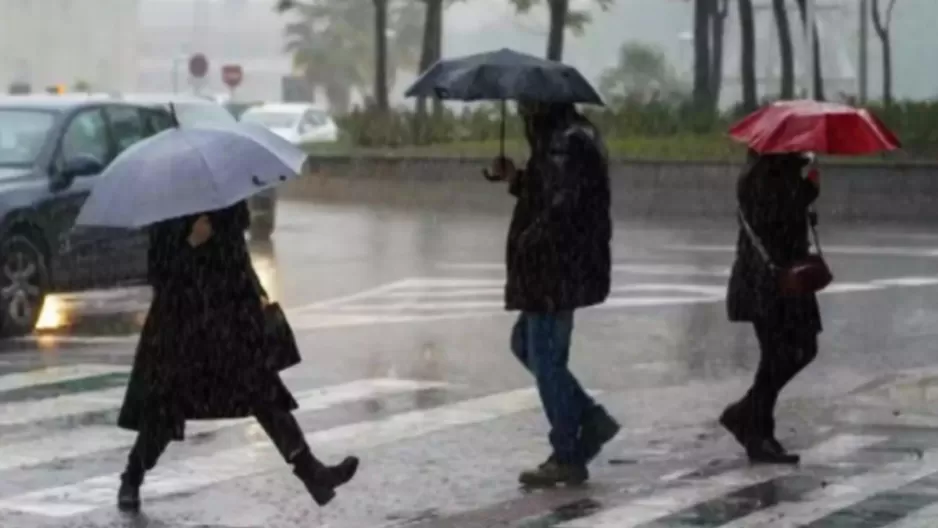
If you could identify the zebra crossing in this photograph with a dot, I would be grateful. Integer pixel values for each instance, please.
(60, 455)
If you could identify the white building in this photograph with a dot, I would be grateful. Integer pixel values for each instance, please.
(51, 42)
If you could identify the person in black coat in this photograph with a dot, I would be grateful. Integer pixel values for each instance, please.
(774, 199)
(201, 352)
(558, 260)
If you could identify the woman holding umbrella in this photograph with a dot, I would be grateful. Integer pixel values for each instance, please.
(208, 349)
(201, 354)
(775, 278)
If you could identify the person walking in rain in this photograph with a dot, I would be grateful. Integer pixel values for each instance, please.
(201, 353)
(558, 260)
(774, 213)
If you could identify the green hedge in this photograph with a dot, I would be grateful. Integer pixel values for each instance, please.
(641, 131)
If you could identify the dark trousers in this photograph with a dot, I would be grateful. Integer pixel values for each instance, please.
(281, 426)
(784, 352)
(541, 342)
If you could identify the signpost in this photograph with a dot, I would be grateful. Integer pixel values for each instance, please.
(232, 75)
(198, 66)
(198, 69)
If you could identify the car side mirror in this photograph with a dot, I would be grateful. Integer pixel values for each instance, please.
(81, 165)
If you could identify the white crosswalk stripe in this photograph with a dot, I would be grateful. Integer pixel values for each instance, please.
(189, 471)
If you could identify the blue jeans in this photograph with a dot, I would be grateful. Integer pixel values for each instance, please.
(541, 341)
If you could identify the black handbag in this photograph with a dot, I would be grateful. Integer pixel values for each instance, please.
(281, 351)
(805, 276)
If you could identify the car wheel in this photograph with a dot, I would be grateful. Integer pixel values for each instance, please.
(24, 281)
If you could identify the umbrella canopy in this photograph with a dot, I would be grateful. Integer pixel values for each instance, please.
(812, 126)
(504, 74)
(185, 171)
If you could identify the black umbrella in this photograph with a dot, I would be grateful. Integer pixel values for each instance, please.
(502, 75)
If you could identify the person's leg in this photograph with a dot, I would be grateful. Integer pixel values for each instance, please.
(751, 420)
(565, 402)
(790, 353)
(320, 480)
(519, 341)
(150, 444)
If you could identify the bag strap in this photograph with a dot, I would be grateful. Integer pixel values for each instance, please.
(756, 241)
(817, 240)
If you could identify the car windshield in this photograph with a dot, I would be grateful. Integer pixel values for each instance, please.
(195, 114)
(272, 119)
(22, 135)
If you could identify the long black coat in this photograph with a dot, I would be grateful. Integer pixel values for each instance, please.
(775, 200)
(558, 255)
(200, 354)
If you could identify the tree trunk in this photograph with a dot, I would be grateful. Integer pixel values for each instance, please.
(429, 54)
(785, 49)
(718, 25)
(558, 24)
(339, 100)
(887, 70)
(882, 31)
(381, 56)
(703, 9)
(748, 55)
(818, 74)
(437, 48)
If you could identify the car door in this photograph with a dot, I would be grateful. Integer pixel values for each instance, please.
(84, 134)
(123, 252)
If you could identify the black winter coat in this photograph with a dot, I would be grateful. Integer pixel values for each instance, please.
(558, 254)
(775, 200)
(200, 354)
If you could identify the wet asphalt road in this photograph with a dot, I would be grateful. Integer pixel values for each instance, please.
(406, 364)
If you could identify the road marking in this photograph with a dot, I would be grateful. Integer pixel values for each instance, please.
(24, 412)
(193, 473)
(841, 493)
(634, 269)
(923, 518)
(648, 509)
(907, 251)
(52, 375)
(84, 441)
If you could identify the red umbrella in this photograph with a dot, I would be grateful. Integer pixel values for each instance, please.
(812, 126)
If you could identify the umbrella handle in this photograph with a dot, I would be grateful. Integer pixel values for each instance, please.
(261, 183)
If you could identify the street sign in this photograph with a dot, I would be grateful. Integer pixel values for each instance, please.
(198, 65)
(232, 74)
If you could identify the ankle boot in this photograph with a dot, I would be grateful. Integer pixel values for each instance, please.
(128, 496)
(321, 480)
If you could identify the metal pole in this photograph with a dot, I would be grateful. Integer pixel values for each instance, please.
(864, 73)
(810, 24)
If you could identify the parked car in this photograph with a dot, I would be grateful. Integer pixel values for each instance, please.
(297, 122)
(52, 150)
(192, 111)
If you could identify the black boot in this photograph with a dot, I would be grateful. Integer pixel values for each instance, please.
(128, 496)
(769, 451)
(598, 428)
(321, 480)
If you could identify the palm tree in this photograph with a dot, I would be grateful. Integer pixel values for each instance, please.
(561, 18)
(329, 45)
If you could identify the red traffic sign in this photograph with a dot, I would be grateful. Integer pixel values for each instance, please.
(232, 75)
(198, 65)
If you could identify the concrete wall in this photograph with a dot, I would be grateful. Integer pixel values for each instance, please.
(850, 192)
